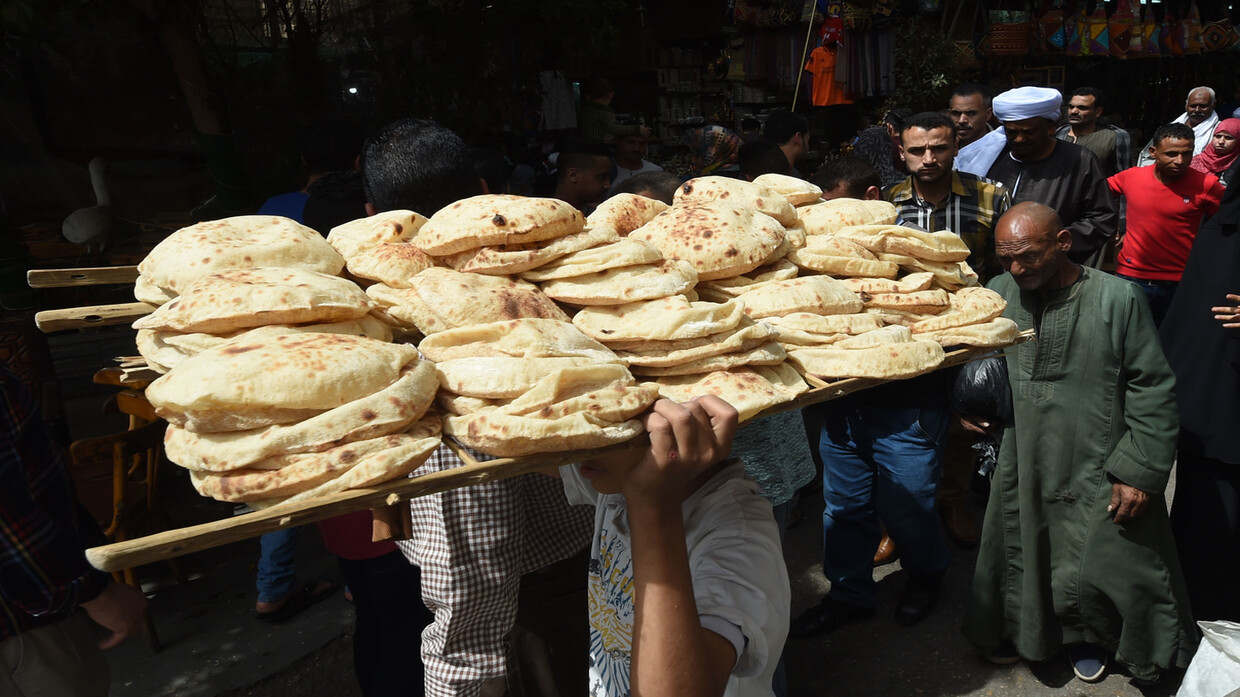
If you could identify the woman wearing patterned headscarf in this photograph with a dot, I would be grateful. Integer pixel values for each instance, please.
(1222, 151)
(713, 148)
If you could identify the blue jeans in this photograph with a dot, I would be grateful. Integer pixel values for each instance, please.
(1158, 293)
(276, 571)
(880, 462)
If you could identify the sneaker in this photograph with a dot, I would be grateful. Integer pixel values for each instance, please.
(1005, 655)
(1088, 662)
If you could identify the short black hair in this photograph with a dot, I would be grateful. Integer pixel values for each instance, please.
(852, 171)
(661, 185)
(761, 156)
(896, 117)
(331, 145)
(968, 89)
(780, 126)
(597, 87)
(492, 167)
(1174, 131)
(1099, 100)
(418, 165)
(928, 120)
(577, 153)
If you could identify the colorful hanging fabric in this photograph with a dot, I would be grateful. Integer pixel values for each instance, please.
(1172, 35)
(1095, 36)
(1219, 36)
(1151, 34)
(1009, 33)
(1136, 44)
(1121, 26)
(1191, 27)
(1051, 30)
(1076, 27)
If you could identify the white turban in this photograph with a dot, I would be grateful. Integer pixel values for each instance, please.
(1026, 103)
(1014, 105)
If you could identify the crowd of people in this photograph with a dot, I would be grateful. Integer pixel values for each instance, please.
(658, 568)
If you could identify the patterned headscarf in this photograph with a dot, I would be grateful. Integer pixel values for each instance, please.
(712, 147)
(1211, 162)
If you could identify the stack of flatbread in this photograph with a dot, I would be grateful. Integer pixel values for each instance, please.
(502, 234)
(282, 415)
(380, 248)
(624, 213)
(627, 270)
(525, 386)
(684, 346)
(241, 242)
(889, 353)
(439, 298)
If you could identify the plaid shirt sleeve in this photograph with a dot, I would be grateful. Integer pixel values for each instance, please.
(44, 574)
(473, 545)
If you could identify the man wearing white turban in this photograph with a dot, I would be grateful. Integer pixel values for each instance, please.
(1200, 116)
(1026, 157)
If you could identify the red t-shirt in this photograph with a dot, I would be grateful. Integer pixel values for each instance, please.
(1162, 220)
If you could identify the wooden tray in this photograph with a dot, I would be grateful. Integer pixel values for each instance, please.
(173, 543)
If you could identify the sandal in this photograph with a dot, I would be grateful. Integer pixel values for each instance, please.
(302, 598)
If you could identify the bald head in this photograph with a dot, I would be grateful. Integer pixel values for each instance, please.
(1032, 245)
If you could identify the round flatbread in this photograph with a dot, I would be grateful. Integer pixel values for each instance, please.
(749, 389)
(519, 338)
(624, 213)
(818, 294)
(999, 331)
(240, 242)
(494, 219)
(886, 361)
(624, 285)
(624, 252)
(967, 306)
(798, 191)
(665, 319)
(503, 377)
(237, 299)
(770, 353)
(720, 239)
(830, 216)
(438, 299)
(736, 191)
(503, 260)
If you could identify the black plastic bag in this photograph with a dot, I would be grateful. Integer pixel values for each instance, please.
(981, 391)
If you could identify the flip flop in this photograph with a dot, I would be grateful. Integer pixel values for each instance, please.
(309, 594)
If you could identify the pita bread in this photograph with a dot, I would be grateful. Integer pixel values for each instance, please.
(393, 264)
(607, 392)
(503, 377)
(877, 337)
(999, 331)
(164, 350)
(910, 283)
(819, 294)
(440, 299)
(240, 242)
(389, 410)
(836, 265)
(624, 213)
(926, 302)
(795, 234)
(149, 293)
(830, 216)
(388, 227)
(665, 319)
(798, 191)
(624, 285)
(947, 275)
(519, 338)
(283, 476)
(781, 270)
(889, 316)
(749, 390)
(661, 354)
(381, 467)
(968, 306)
(769, 353)
(887, 361)
(624, 252)
(501, 260)
(459, 405)
(720, 239)
(494, 219)
(942, 246)
(236, 299)
(505, 435)
(271, 378)
(737, 192)
(825, 324)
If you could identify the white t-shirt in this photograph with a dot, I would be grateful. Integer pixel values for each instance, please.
(622, 173)
(739, 579)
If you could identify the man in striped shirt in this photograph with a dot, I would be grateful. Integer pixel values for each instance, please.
(936, 197)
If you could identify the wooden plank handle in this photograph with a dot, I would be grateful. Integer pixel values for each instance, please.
(63, 278)
(91, 316)
(173, 543)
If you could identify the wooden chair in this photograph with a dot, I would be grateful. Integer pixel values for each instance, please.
(117, 479)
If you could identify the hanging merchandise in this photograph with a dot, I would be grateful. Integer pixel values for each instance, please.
(1136, 44)
(1122, 26)
(966, 55)
(1095, 35)
(1051, 33)
(858, 15)
(884, 10)
(1151, 34)
(1172, 35)
(1191, 27)
(825, 90)
(1009, 33)
(1075, 26)
(1219, 36)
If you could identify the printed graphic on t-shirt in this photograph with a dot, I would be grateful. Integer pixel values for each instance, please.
(611, 614)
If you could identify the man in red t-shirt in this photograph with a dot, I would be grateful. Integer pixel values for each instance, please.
(1166, 202)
